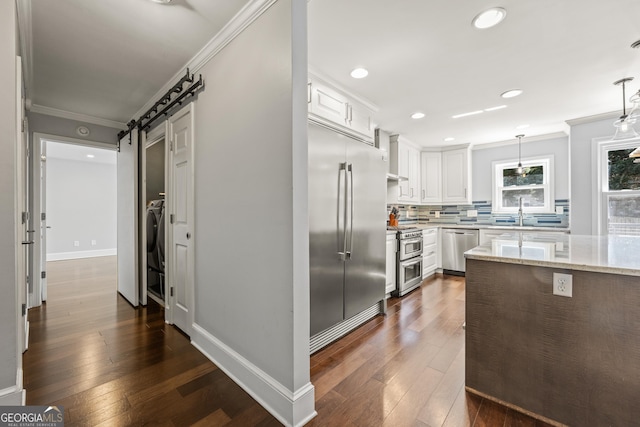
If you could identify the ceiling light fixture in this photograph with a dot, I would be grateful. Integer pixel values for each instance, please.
(489, 18)
(511, 93)
(471, 113)
(359, 73)
(449, 139)
(624, 125)
(91, 156)
(519, 170)
(499, 107)
(417, 115)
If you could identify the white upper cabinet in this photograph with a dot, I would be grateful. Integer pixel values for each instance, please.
(456, 175)
(405, 158)
(330, 106)
(431, 177)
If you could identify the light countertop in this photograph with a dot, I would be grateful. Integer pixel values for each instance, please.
(603, 254)
(423, 225)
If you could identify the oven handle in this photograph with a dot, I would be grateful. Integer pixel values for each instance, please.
(416, 240)
(409, 264)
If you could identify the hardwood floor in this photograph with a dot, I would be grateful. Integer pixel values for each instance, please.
(109, 364)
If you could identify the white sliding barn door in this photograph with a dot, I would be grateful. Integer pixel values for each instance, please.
(128, 284)
(182, 219)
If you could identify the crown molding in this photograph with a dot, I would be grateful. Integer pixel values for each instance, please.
(525, 140)
(247, 15)
(23, 8)
(596, 117)
(49, 111)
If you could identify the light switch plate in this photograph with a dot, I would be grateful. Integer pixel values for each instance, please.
(437, 214)
(559, 210)
(472, 213)
(563, 284)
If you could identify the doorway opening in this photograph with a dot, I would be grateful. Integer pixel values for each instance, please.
(75, 217)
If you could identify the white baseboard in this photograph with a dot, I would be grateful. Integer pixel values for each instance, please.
(59, 256)
(292, 408)
(12, 396)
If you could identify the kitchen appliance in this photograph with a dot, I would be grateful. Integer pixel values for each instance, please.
(409, 260)
(347, 233)
(455, 242)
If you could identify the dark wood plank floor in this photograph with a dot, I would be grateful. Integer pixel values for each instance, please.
(111, 365)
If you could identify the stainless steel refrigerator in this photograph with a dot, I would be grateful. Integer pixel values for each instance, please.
(347, 227)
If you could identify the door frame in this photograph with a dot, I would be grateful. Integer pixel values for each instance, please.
(38, 264)
(147, 140)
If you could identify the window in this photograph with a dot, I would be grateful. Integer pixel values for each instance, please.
(533, 186)
(620, 189)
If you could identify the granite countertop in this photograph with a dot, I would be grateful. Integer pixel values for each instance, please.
(602, 254)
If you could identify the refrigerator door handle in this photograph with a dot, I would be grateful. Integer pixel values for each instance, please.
(350, 185)
(342, 254)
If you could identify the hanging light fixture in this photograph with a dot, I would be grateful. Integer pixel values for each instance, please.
(519, 170)
(624, 125)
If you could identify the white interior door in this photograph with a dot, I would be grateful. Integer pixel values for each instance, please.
(128, 283)
(181, 218)
(25, 240)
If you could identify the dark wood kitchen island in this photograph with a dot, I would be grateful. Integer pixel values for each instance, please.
(566, 360)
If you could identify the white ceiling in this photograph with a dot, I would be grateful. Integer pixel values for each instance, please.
(424, 55)
(108, 58)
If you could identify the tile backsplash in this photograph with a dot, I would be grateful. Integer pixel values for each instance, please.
(479, 212)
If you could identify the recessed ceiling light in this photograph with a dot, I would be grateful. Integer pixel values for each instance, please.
(417, 115)
(449, 139)
(489, 18)
(511, 93)
(471, 113)
(522, 127)
(498, 107)
(91, 156)
(359, 73)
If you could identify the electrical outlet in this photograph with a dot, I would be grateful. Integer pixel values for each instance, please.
(437, 214)
(563, 284)
(93, 243)
(559, 210)
(76, 243)
(472, 213)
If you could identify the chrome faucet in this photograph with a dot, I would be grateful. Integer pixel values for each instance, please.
(520, 216)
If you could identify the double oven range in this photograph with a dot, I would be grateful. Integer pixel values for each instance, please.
(409, 266)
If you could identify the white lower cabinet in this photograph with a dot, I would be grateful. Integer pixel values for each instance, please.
(392, 250)
(429, 251)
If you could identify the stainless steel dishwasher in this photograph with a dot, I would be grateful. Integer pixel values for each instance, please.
(455, 242)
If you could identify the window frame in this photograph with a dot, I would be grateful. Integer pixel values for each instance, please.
(603, 180)
(547, 162)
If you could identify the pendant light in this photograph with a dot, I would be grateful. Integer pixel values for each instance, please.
(624, 125)
(519, 170)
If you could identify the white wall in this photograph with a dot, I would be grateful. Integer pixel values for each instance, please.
(8, 232)
(58, 126)
(252, 274)
(482, 159)
(583, 173)
(81, 206)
